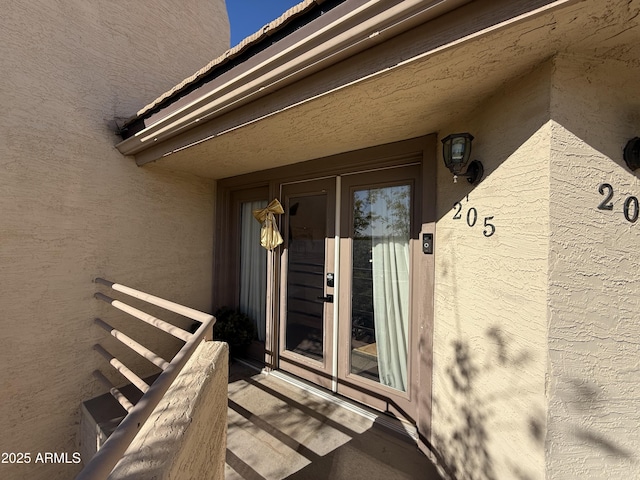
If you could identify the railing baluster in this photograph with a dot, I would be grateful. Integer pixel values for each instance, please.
(117, 394)
(145, 317)
(157, 360)
(160, 302)
(123, 369)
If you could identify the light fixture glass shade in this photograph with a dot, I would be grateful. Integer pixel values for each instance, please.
(456, 150)
(632, 154)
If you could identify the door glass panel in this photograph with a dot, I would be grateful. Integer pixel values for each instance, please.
(380, 284)
(304, 332)
(253, 268)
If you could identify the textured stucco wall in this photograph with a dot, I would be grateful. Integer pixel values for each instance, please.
(186, 435)
(490, 332)
(594, 277)
(72, 207)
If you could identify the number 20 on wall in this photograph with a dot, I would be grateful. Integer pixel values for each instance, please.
(630, 207)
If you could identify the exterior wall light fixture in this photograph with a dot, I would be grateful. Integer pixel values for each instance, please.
(456, 150)
(632, 153)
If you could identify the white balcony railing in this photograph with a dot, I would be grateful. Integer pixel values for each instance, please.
(114, 448)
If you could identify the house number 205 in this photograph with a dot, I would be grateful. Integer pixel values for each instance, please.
(629, 209)
(472, 218)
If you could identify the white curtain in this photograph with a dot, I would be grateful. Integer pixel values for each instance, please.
(253, 268)
(390, 258)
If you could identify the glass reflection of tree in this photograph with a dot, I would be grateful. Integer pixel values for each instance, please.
(384, 211)
(362, 286)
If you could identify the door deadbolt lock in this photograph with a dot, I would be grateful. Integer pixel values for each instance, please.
(330, 281)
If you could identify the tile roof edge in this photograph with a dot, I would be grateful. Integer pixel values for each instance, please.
(234, 52)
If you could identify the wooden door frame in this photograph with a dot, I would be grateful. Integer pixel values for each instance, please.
(399, 404)
(397, 153)
(295, 363)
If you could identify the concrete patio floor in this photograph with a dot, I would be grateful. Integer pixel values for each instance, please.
(279, 431)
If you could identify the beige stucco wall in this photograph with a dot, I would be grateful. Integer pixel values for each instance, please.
(536, 326)
(489, 346)
(72, 207)
(594, 274)
(186, 435)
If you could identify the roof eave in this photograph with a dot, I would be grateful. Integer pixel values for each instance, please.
(346, 32)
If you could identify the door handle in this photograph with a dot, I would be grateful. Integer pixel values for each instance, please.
(327, 299)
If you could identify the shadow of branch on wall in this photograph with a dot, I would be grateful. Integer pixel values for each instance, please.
(470, 412)
(585, 398)
(464, 452)
(601, 442)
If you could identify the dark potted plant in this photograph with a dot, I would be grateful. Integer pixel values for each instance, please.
(235, 328)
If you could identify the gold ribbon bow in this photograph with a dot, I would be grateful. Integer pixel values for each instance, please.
(270, 237)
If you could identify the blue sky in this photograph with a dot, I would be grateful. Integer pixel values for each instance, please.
(249, 16)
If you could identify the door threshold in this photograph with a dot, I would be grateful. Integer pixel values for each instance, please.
(405, 429)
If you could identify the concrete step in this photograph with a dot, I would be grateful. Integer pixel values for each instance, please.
(278, 431)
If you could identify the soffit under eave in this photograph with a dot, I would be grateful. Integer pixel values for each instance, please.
(346, 120)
